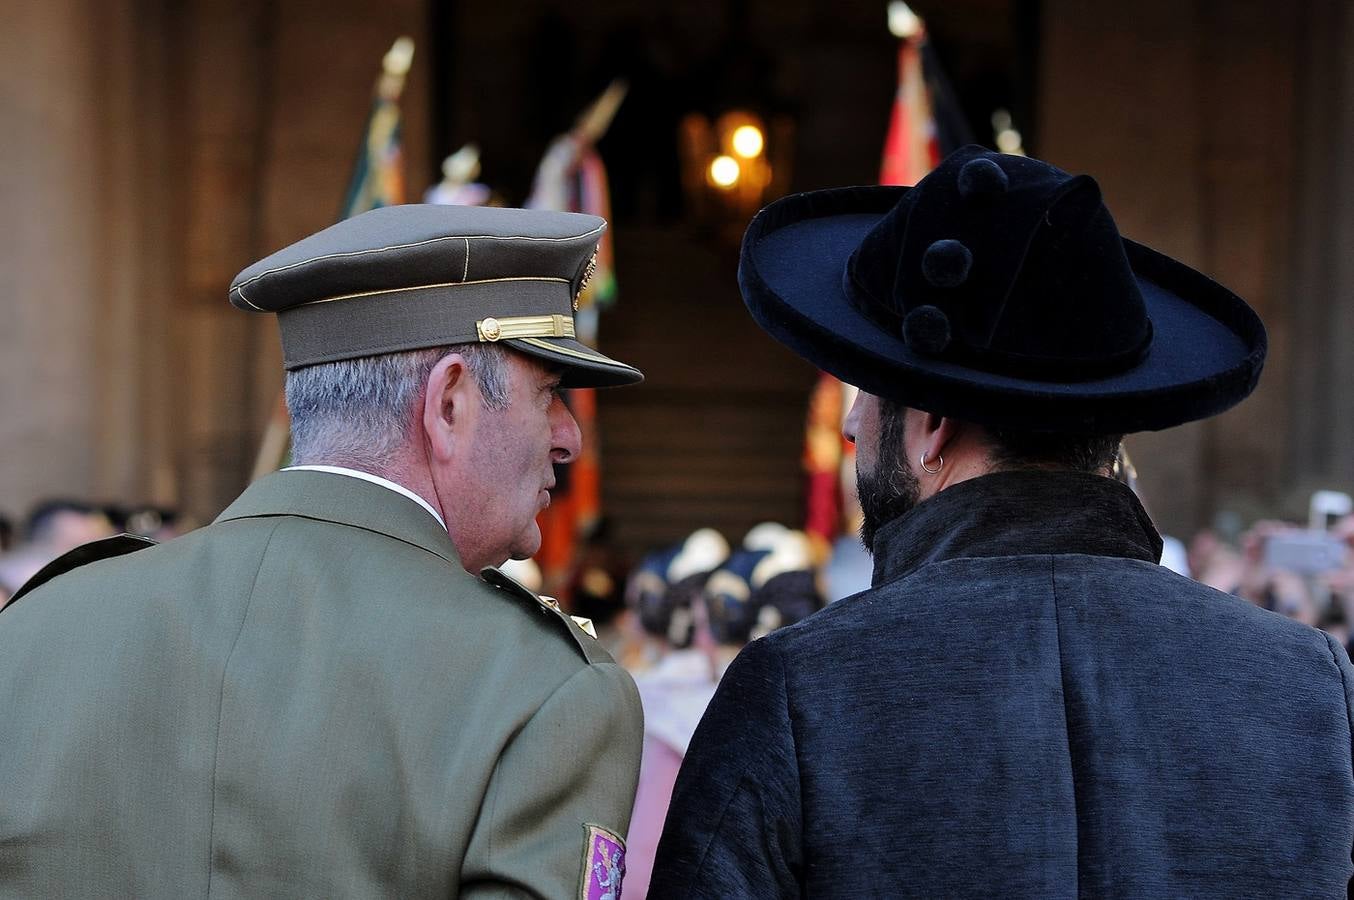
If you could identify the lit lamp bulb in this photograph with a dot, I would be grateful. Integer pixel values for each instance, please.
(748, 141)
(724, 171)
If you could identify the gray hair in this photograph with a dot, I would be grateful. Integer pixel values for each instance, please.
(360, 412)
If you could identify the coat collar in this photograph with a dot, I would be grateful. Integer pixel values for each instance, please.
(1017, 514)
(348, 501)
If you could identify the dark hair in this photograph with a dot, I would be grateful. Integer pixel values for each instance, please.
(785, 599)
(42, 517)
(1014, 448)
(674, 616)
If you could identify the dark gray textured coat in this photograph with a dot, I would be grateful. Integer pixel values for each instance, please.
(1025, 705)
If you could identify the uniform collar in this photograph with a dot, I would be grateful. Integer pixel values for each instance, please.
(1018, 514)
(374, 479)
(331, 497)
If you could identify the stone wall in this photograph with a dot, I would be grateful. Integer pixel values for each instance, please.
(1185, 114)
(154, 148)
(158, 149)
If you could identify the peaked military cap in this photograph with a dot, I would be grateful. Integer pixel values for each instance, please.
(422, 275)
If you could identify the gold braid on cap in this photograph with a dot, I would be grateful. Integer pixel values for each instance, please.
(492, 329)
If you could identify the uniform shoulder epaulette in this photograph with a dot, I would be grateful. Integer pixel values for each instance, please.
(117, 545)
(579, 628)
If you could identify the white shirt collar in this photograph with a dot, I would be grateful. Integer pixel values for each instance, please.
(374, 479)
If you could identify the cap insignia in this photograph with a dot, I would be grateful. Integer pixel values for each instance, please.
(489, 329)
(588, 271)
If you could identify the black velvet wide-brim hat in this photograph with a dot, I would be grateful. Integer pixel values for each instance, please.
(998, 291)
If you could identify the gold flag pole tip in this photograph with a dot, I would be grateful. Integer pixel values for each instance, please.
(399, 57)
(903, 22)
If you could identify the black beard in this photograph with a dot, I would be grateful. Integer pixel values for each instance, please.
(885, 498)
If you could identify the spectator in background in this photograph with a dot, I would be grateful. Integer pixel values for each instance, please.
(646, 595)
(159, 523)
(51, 528)
(675, 682)
(597, 592)
(1308, 589)
(706, 619)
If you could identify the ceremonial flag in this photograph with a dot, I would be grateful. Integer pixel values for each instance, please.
(572, 178)
(377, 180)
(378, 172)
(912, 147)
(826, 451)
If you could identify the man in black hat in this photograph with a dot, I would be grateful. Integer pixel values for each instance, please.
(1024, 704)
(330, 691)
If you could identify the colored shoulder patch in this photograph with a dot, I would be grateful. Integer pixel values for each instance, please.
(118, 545)
(592, 650)
(603, 865)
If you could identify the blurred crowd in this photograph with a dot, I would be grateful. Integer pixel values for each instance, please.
(702, 597)
(1304, 573)
(677, 618)
(54, 526)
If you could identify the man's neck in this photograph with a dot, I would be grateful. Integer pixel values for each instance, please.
(421, 488)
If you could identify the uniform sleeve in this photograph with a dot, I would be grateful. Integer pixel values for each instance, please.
(733, 828)
(570, 771)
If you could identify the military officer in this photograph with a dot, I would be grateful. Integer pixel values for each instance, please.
(330, 691)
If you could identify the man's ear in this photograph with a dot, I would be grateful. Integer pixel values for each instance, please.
(450, 402)
(938, 432)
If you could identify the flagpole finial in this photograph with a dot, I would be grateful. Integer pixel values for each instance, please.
(395, 66)
(399, 57)
(596, 119)
(463, 166)
(903, 22)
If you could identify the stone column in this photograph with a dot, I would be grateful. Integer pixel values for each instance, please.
(1321, 289)
(1182, 113)
(52, 285)
(275, 96)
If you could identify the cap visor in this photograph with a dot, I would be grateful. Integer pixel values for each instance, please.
(583, 366)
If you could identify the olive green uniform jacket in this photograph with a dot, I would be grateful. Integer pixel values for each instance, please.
(308, 698)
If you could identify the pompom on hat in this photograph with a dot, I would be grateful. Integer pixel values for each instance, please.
(999, 291)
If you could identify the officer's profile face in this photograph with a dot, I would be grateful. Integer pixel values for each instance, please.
(502, 476)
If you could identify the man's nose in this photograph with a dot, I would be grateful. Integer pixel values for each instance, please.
(851, 424)
(566, 438)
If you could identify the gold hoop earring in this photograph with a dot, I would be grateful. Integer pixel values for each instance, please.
(940, 462)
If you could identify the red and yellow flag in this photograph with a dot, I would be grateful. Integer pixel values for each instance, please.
(911, 149)
(572, 178)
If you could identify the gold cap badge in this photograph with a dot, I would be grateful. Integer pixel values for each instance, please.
(588, 271)
(489, 329)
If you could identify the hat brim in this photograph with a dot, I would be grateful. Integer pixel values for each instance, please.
(1208, 346)
(583, 367)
